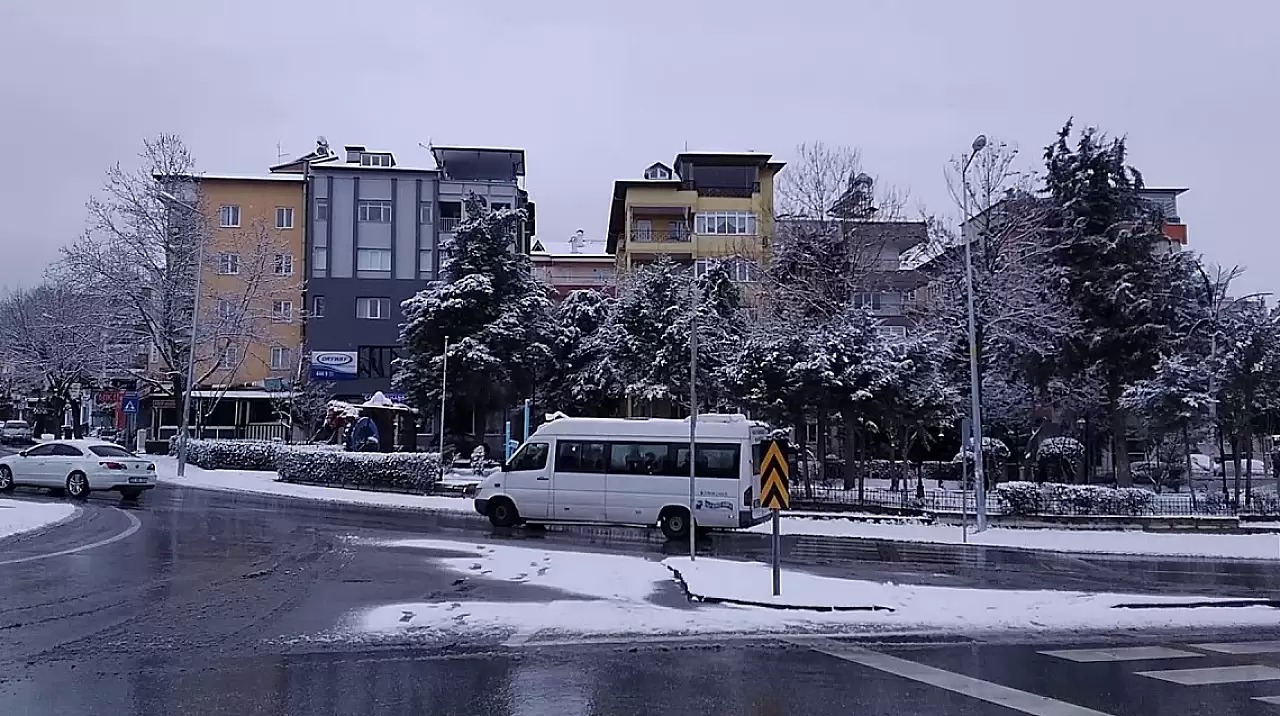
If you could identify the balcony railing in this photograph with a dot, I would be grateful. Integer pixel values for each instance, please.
(449, 224)
(658, 236)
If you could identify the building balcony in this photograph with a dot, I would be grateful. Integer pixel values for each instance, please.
(1176, 233)
(449, 224)
(650, 236)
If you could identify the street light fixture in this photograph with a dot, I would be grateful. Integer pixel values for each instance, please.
(183, 419)
(975, 383)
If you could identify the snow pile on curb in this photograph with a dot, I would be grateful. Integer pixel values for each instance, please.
(1253, 546)
(610, 594)
(266, 483)
(17, 516)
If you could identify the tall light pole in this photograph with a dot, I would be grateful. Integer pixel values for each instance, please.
(191, 349)
(975, 383)
(693, 412)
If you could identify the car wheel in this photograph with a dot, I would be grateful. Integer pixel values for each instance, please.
(130, 493)
(78, 486)
(674, 522)
(6, 479)
(503, 513)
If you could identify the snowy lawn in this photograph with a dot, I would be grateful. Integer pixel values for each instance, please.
(18, 516)
(1258, 546)
(607, 594)
(266, 483)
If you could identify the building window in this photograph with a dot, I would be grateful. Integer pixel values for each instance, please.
(450, 215)
(284, 217)
(426, 262)
(279, 358)
(741, 270)
(424, 212)
(377, 309)
(373, 260)
(375, 160)
(284, 264)
(229, 264)
(230, 356)
(317, 306)
(376, 361)
(377, 211)
(229, 217)
(726, 223)
(500, 205)
(320, 260)
(282, 311)
(874, 301)
(226, 310)
(892, 331)
(322, 209)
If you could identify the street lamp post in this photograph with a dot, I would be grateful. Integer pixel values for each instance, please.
(975, 383)
(191, 348)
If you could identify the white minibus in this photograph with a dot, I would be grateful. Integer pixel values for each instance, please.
(631, 471)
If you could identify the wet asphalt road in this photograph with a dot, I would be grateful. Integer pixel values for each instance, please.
(200, 602)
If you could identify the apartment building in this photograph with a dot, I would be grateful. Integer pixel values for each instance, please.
(374, 239)
(705, 205)
(575, 270)
(250, 304)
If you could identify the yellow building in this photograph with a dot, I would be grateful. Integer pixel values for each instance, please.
(251, 301)
(708, 205)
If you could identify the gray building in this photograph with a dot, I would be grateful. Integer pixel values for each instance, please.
(374, 234)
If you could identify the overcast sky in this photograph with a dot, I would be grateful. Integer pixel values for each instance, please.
(595, 91)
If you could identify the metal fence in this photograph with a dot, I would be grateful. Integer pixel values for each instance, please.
(955, 501)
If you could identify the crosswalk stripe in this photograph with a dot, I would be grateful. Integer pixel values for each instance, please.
(1242, 647)
(1268, 699)
(1216, 675)
(1010, 698)
(1128, 653)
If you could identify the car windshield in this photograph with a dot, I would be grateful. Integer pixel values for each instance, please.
(110, 451)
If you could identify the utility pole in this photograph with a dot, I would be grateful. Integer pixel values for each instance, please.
(975, 382)
(693, 411)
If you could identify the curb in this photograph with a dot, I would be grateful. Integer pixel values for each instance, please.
(1226, 604)
(684, 587)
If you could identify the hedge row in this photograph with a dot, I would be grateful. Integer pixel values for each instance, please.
(1029, 498)
(320, 464)
(399, 471)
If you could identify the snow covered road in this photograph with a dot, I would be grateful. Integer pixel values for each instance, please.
(606, 594)
(17, 516)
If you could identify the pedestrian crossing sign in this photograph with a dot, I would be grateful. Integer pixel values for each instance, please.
(774, 473)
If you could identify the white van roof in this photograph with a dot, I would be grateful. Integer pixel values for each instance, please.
(733, 426)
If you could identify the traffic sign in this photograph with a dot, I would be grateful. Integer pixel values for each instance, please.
(774, 473)
(129, 404)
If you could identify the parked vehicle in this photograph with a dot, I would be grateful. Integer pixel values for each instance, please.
(15, 432)
(78, 467)
(631, 472)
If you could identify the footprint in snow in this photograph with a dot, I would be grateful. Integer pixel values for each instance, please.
(542, 571)
(521, 577)
(475, 566)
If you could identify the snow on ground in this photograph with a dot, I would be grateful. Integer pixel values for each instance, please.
(20, 516)
(1255, 546)
(608, 594)
(266, 483)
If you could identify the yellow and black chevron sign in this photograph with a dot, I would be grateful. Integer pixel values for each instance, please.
(774, 473)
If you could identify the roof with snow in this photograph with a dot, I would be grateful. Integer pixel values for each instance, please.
(711, 427)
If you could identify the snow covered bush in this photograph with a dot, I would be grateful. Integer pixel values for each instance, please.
(992, 449)
(1062, 448)
(1097, 500)
(1019, 498)
(238, 454)
(399, 471)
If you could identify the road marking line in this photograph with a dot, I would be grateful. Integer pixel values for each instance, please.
(1216, 675)
(128, 532)
(1010, 698)
(1268, 699)
(1131, 653)
(1241, 647)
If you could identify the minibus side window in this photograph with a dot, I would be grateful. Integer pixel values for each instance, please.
(532, 456)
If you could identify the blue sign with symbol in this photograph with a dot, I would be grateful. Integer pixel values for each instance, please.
(129, 404)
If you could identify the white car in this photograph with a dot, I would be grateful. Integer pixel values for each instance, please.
(15, 431)
(78, 467)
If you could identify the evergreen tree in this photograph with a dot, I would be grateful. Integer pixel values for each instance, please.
(583, 380)
(496, 316)
(1130, 295)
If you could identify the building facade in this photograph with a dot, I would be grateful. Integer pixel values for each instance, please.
(374, 239)
(571, 272)
(706, 206)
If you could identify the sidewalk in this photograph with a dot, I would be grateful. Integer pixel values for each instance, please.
(18, 516)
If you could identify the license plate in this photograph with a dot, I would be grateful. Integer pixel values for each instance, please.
(137, 481)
